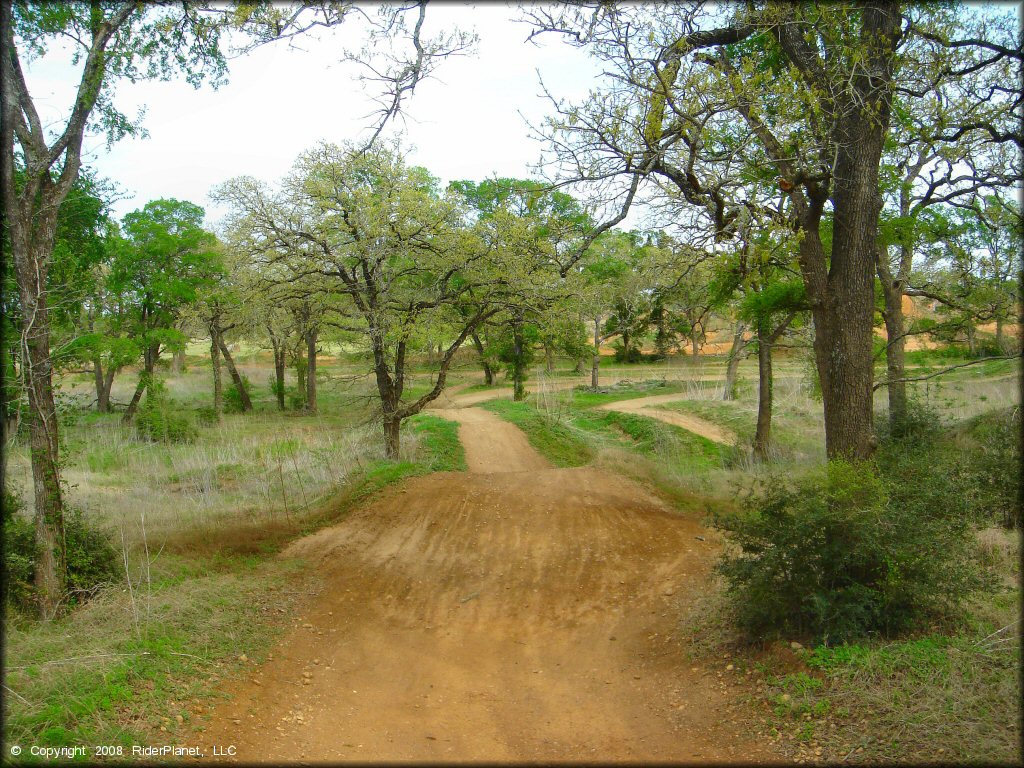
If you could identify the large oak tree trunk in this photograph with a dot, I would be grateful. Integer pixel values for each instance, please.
(31, 265)
(392, 432)
(235, 377)
(595, 369)
(859, 138)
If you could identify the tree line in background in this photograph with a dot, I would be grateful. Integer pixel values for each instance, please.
(817, 165)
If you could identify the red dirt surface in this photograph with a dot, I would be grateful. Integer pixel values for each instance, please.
(514, 612)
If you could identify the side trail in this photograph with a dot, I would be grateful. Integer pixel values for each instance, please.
(515, 612)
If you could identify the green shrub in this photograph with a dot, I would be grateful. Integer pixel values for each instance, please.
(160, 419)
(991, 466)
(296, 398)
(206, 415)
(922, 425)
(973, 466)
(19, 552)
(275, 387)
(843, 553)
(233, 398)
(91, 561)
(632, 354)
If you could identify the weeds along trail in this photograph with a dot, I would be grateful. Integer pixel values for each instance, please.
(513, 612)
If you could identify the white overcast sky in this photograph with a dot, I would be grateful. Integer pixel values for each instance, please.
(467, 122)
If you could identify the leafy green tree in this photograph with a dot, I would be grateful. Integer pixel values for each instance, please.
(544, 222)
(135, 41)
(167, 259)
(691, 89)
(392, 253)
(113, 41)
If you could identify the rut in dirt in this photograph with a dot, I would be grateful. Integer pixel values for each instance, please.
(515, 612)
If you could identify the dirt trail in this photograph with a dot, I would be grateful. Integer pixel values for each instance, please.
(643, 406)
(515, 612)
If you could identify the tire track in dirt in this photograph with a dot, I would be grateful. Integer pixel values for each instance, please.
(493, 615)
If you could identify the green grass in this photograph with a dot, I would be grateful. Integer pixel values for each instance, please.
(559, 444)
(439, 450)
(440, 438)
(952, 697)
(584, 397)
(654, 438)
(106, 674)
(573, 440)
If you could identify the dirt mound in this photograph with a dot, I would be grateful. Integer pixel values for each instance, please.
(503, 616)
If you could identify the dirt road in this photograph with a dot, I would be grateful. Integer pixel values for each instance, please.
(514, 612)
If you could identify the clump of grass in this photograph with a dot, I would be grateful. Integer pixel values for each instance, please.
(941, 697)
(562, 446)
(97, 676)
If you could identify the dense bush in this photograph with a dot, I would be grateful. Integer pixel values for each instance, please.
(91, 561)
(296, 398)
(843, 553)
(206, 415)
(979, 459)
(233, 398)
(991, 446)
(275, 388)
(623, 354)
(19, 551)
(160, 419)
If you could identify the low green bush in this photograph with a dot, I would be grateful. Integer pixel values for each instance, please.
(296, 398)
(91, 561)
(992, 464)
(275, 387)
(162, 420)
(233, 398)
(206, 415)
(844, 553)
(973, 466)
(19, 552)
